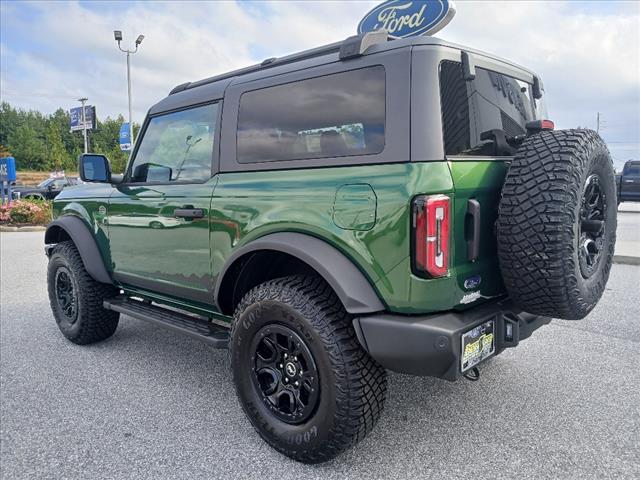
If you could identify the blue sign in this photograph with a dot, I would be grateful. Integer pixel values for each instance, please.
(7, 169)
(405, 18)
(76, 118)
(125, 137)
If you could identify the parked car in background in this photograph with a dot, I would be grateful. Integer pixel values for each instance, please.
(46, 190)
(628, 182)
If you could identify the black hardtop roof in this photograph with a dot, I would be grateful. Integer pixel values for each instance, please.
(213, 88)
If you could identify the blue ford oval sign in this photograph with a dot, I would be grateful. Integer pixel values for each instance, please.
(405, 18)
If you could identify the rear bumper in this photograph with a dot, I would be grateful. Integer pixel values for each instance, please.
(430, 345)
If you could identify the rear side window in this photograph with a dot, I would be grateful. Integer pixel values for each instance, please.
(455, 109)
(337, 115)
(491, 101)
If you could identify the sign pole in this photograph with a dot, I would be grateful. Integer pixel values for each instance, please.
(84, 124)
(129, 93)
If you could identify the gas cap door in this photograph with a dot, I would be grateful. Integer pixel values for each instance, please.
(354, 207)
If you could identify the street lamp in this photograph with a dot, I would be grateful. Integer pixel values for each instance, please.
(83, 101)
(117, 35)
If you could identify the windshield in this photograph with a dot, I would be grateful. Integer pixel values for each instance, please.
(45, 183)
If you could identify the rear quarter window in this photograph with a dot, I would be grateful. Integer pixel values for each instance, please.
(491, 101)
(336, 115)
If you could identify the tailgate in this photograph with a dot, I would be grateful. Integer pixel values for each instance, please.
(479, 180)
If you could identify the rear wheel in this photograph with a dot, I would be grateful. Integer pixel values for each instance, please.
(304, 381)
(76, 298)
(556, 223)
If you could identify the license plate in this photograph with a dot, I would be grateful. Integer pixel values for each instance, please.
(477, 345)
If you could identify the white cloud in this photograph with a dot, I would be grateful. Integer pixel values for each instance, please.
(587, 53)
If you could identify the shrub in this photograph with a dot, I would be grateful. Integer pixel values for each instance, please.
(34, 212)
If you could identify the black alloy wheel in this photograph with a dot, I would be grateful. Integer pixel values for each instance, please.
(592, 225)
(304, 381)
(77, 299)
(285, 373)
(66, 295)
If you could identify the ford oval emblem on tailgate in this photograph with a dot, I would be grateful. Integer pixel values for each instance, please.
(472, 282)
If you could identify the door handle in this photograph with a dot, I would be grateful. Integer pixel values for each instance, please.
(472, 230)
(188, 212)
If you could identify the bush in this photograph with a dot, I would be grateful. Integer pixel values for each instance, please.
(33, 212)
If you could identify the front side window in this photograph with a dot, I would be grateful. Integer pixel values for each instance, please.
(177, 147)
(490, 102)
(336, 115)
(632, 169)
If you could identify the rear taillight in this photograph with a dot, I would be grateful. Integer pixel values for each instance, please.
(536, 126)
(431, 224)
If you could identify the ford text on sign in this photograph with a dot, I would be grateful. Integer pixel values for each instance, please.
(403, 18)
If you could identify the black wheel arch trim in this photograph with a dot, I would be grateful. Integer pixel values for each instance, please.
(351, 286)
(84, 241)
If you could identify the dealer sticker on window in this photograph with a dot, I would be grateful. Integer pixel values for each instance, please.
(477, 345)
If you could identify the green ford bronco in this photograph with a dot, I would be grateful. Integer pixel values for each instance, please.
(366, 206)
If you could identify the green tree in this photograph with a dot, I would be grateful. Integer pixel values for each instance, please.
(57, 156)
(41, 142)
(9, 122)
(28, 148)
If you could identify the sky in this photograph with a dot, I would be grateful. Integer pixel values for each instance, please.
(54, 52)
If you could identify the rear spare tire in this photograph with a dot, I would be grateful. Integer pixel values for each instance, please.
(556, 226)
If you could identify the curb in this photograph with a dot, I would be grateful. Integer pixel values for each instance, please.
(626, 260)
(4, 228)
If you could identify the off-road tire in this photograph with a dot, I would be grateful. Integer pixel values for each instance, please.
(352, 386)
(539, 226)
(90, 322)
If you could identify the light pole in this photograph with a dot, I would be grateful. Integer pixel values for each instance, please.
(117, 34)
(83, 100)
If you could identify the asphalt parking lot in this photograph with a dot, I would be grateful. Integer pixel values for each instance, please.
(150, 404)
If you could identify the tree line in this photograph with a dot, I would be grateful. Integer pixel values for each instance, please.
(44, 142)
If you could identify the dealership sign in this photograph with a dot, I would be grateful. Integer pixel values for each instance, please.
(8, 169)
(89, 118)
(403, 18)
(125, 137)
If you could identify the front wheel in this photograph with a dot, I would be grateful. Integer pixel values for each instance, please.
(76, 298)
(304, 381)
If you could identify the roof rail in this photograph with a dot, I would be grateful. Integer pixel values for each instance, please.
(357, 45)
(179, 88)
(349, 48)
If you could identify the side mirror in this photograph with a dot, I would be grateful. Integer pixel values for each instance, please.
(94, 168)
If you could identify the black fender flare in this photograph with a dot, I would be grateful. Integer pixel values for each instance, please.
(84, 241)
(348, 282)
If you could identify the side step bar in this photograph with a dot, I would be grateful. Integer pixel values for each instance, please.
(197, 327)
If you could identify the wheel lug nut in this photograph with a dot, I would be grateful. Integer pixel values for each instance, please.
(295, 359)
(297, 383)
(285, 355)
(280, 365)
